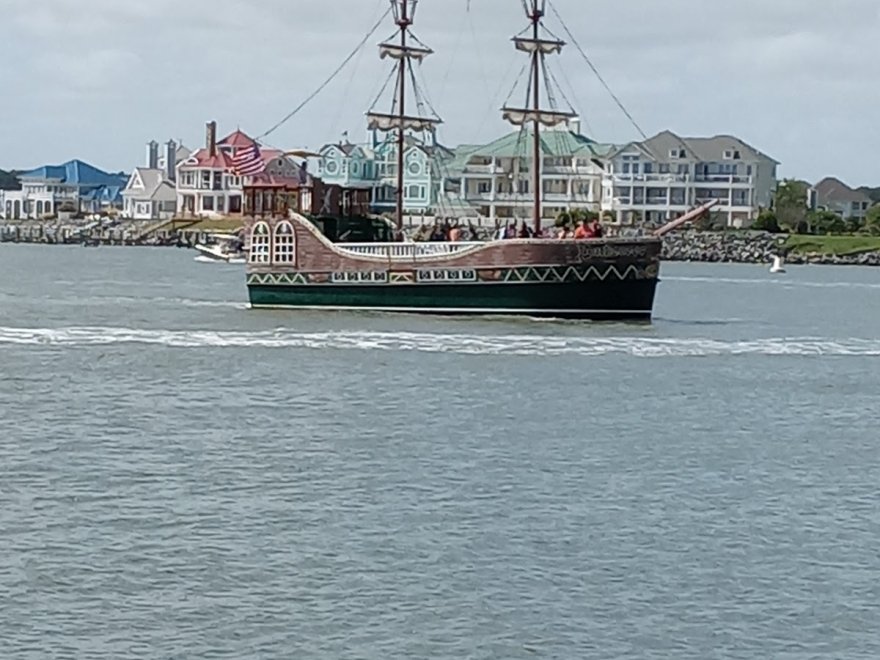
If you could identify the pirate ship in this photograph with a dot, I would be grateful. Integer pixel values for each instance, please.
(314, 246)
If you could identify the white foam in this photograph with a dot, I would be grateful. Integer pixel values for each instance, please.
(782, 282)
(465, 344)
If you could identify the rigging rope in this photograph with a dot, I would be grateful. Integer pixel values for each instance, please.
(598, 75)
(393, 75)
(323, 85)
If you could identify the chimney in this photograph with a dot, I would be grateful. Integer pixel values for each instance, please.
(171, 160)
(152, 154)
(211, 138)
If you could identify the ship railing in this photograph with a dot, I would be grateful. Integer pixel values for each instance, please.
(406, 250)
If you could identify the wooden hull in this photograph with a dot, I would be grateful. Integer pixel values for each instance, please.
(612, 279)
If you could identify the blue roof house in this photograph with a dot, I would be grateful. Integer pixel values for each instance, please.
(84, 187)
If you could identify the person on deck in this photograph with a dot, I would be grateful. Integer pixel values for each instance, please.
(583, 231)
(525, 231)
(596, 229)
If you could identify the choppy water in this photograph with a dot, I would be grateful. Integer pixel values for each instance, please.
(181, 477)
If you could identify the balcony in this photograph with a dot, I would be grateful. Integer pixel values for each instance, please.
(571, 170)
(484, 169)
(651, 178)
(732, 179)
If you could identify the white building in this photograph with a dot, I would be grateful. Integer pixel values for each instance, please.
(496, 179)
(151, 191)
(663, 177)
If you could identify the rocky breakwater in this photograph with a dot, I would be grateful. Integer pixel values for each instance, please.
(751, 247)
(723, 247)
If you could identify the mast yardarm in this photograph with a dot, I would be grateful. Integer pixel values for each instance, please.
(537, 48)
(406, 49)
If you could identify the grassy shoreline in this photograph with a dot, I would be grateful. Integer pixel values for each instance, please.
(837, 245)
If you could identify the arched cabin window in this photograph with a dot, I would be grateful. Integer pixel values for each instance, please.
(260, 243)
(285, 244)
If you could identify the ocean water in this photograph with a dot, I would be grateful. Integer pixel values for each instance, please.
(182, 477)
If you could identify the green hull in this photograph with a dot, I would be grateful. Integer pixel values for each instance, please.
(600, 300)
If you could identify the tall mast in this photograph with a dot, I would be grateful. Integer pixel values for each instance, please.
(536, 16)
(537, 47)
(398, 121)
(403, 23)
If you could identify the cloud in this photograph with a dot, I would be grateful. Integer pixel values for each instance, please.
(785, 75)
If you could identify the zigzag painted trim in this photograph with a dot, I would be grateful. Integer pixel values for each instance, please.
(572, 274)
(276, 279)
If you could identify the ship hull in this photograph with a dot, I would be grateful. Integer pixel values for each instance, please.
(596, 300)
(292, 265)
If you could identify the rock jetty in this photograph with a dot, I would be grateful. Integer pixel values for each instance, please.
(750, 247)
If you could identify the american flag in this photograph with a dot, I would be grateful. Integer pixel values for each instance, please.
(248, 161)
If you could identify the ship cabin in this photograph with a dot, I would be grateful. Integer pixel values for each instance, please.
(340, 213)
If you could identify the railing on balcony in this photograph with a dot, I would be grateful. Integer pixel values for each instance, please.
(680, 178)
(484, 169)
(402, 251)
(722, 178)
(569, 169)
(651, 178)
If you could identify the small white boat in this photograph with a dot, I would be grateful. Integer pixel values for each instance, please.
(778, 265)
(220, 253)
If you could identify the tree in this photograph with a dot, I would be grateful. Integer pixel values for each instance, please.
(872, 220)
(855, 225)
(826, 222)
(711, 221)
(767, 221)
(790, 203)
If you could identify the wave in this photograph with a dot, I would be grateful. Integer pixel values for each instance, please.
(464, 344)
(779, 281)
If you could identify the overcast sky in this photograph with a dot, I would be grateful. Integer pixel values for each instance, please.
(96, 79)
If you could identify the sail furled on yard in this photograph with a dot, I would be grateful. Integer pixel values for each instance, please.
(540, 108)
(411, 111)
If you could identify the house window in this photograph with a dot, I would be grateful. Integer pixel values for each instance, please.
(260, 243)
(677, 153)
(284, 251)
(206, 180)
(207, 203)
(187, 180)
(331, 167)
(415, 169)
(412, 192)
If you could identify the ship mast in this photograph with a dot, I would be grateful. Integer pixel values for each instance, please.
(531, 113)
(398, 121)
